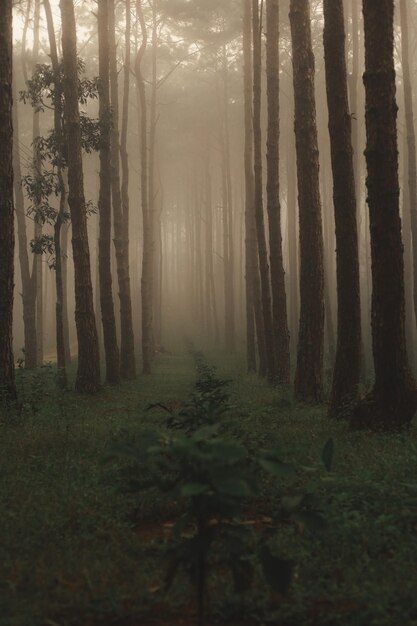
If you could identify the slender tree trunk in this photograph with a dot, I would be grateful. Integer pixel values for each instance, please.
(251, 265)
(153, 218)
(37, 167)
(147, 259)
(279, 296)
(28, 275)
(228, 198)
(309, 373)
(60, 219)
(392, 403)
(258, 185)
(120, 197)
(411, 140)
(88, 373)
(111, 349)
(293, 256)
(348, 354)
(7, 384)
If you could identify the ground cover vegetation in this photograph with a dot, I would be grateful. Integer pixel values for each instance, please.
(202, 496)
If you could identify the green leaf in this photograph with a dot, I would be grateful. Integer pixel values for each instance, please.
(234, 487)
(193, 489)
(327, 454)
(277, 468)
(291, 503)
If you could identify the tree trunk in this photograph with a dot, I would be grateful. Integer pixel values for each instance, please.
(111, 349)
(37, 173)
(258, 185)
(411, 141)
(120, 197)
(7, 384)
(348, 352)
(391, 404)
(251, 265)
(279, 296)
(88, 373)
(28, 275)
(309, 372)
(147, 259)
(60, 219)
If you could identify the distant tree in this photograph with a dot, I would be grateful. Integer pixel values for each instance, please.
(348, 353)
(147, 259)
(309, 372)
(111, 349)
(392, 402)
(258, 187)
(120, 197)
(279, 296)
(88, 373)
(251, 265)
(7, 384)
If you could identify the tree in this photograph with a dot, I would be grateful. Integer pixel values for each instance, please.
(104, 202)
(348, 352)
(7, 384)
(147, 259)
(120, 197)
(411, 140)
(392, 402)
(258, 186)
(279, 297)
(309, 372)
(88, 373)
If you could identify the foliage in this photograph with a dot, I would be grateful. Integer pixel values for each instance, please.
(76, 548)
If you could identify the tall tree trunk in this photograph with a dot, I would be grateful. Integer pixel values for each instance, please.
(391, 404)
(7, 384)
(411, 140)
(88, 372)
(111, 349)
(348, 352)
(293, 256)
(279, 296)
(28, 275)
(37, 167)
(309, 373)
(153, 218)
(258, 186)
(228, 201)
(147, 259)
(120, 196)
(60, 219)
(251, 265)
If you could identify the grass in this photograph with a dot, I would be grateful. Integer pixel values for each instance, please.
(77, 550)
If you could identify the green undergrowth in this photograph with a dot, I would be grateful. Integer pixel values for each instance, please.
(80, 548)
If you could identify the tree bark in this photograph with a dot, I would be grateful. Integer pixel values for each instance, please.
(60, 219)
(120, 196)
(7, 383)
(88, 372)
(147, 258)
(346, 372)
(391, 404)
(28, 275)
(411, 141)
(279, 296)
(309, 372)
(251, 265)
(258, 185)
(111, 349)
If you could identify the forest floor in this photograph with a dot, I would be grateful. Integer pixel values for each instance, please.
(79, 549)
